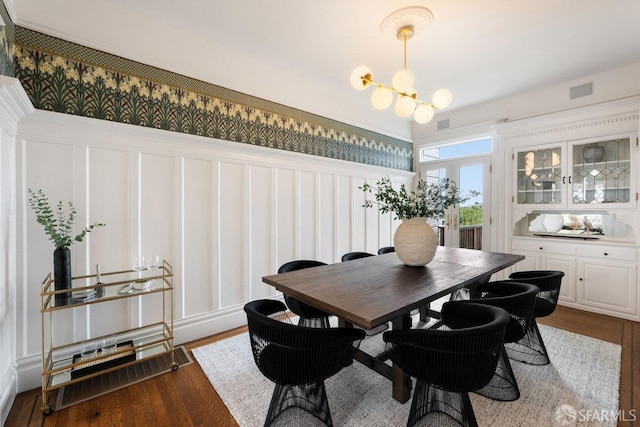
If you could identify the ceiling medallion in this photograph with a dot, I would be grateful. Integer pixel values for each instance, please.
(403, 25)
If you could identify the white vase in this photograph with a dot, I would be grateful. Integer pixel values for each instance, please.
(415, 242)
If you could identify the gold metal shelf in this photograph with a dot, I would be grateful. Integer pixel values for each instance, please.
(144, 342)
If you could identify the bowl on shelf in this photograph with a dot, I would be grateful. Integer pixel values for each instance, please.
(592, 153)
(141, 284)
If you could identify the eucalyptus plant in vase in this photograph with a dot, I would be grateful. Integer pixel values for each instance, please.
(58, 226)
(415, 241)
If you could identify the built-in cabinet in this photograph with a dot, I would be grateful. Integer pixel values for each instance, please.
(598, 277)
(584, 173)
(573, 202)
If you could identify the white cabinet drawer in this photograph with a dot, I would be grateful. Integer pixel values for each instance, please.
(542, 246)
(608, 252)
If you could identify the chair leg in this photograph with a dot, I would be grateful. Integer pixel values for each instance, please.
(314, 322)
(503, 386)
(460, 295)
(440, 406)
(310, 398)
(530, 349)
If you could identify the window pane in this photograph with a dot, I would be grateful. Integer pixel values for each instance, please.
(480, 146)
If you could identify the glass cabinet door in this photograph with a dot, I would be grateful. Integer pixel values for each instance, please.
(601, 171)
(539, 176)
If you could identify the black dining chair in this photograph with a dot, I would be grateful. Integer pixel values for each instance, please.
(355, 255)
(531, 349)
(386, 250)
(518, 300)
(450, 362)
(307, 315)
(297, 359)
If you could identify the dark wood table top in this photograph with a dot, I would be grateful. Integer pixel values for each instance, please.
(370, 291)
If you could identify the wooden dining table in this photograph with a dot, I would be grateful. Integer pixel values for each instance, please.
(368, 292)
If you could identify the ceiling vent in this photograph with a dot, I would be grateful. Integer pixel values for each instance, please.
(580, 91)
(443, 124)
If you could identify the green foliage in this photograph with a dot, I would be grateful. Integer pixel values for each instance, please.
(471, 215)
(59, 225)
(427, 200)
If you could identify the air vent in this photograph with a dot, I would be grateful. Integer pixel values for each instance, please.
(580, 91)
(443, 124)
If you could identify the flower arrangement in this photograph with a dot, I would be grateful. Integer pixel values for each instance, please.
(59, 225)
(427, 200)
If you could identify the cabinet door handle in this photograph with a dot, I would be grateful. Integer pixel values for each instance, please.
(447, 222)
(455, 222)
(564, 179)
(540, 247)
(580, 279)
(569, 179)
(605, 254)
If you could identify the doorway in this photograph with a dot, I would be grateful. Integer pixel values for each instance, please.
(466, 225)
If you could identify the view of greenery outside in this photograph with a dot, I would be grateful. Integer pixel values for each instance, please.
(471, 215)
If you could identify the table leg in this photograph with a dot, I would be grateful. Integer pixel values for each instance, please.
(473, 293)
(424, 313)
(401, 381)
(344, 324)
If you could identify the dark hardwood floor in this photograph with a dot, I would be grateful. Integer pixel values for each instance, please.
(186, 398)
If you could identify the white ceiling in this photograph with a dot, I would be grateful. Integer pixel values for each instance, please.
(301, 53)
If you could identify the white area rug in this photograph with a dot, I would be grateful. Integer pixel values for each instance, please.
(579, 387)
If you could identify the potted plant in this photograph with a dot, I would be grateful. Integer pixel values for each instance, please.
(58, 226)
(415, 241)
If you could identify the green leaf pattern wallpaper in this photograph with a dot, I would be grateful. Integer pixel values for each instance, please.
(7, 33)
(65, 77)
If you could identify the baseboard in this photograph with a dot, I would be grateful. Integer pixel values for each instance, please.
(7, 395)
(29, 373)
(194, 328)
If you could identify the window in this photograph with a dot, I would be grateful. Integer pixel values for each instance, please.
(462, 149)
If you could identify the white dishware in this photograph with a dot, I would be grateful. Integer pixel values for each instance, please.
(89, 349)
(110, 344)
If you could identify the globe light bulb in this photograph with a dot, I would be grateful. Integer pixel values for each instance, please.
(442, 98)
(381, 98)
(423, 113)
(403, 80)
(405, 106)
(356, 77)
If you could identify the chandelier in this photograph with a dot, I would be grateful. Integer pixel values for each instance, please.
(402, 24)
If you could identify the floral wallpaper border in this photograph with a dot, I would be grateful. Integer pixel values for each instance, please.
(7, 35)
(65, 77)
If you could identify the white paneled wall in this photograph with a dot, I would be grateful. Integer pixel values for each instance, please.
(224, 214)
(14, 104)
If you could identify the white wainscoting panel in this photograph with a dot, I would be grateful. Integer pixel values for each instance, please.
(223, 214)
(231, 231)
(359, 216)
(326, 212)
(286, 238)
(343, 214)
(198, 238)
(260, 233)
(307, 192)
